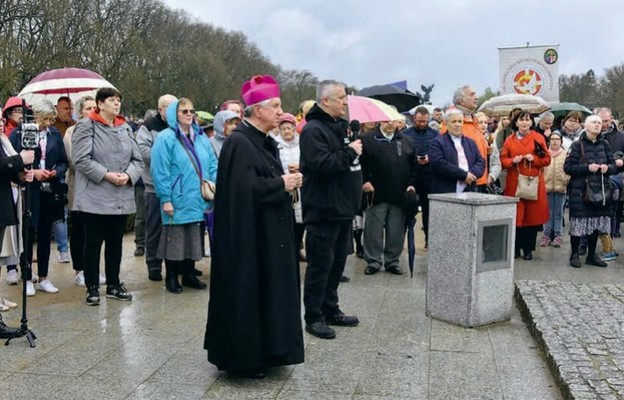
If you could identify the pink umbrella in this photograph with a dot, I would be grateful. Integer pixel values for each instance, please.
(366, 109)
(72, 82)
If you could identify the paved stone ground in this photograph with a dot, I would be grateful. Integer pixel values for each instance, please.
(152, 347)
(581, 328)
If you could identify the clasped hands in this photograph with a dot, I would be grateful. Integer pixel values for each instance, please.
(517, 159)
(596, 167)
(292, 181)
(117, 178)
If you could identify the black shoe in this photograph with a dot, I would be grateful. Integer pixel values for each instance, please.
(582, 250)
(193, 282)
(6, 332)
(528, 255)
(395, 270)
(171, 283)
(254, 373)
(93, 296)
(575, 261)
(139, 252)
(345, 279)
(517, 253)
(118, 292)
(196, 272)
(595, 260)
(340, 319)
(371, 270)
(359, 253)
(320, 330)
(155, 276)
(617, 235)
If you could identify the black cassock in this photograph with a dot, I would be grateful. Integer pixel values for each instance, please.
(254, 312)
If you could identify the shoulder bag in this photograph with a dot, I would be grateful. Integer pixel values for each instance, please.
(527, 186)
(207, 188)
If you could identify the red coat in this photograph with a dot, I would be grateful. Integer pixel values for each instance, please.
(528, 212)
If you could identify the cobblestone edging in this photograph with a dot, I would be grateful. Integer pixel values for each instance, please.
(580, 327)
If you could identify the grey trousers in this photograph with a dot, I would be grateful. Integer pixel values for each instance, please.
(383, 223)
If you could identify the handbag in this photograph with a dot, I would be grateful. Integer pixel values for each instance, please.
(595, 191)
(527, 186)
(207, 188)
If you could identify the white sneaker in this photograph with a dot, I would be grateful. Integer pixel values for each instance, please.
(12, 278)
(102, 279)
(64, 257)
(30, 289)
(7, 302)
(47, 286)
(79, 279)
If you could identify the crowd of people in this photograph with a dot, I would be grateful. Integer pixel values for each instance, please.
(272, 189)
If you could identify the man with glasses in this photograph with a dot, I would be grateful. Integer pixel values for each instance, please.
(388, 171)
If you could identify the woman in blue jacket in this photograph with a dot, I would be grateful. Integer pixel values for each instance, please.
(182, 155)
(455, 159)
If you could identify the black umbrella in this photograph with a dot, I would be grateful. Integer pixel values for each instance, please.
(402, 99)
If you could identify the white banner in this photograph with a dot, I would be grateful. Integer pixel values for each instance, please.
(530, 70)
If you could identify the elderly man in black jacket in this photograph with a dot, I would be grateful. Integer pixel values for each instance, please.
(389, 170)
(331, 195)
(615, 138)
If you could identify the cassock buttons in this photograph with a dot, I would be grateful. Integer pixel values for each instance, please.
(281, 246)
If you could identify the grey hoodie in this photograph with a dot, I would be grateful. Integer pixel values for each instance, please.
(218, 124)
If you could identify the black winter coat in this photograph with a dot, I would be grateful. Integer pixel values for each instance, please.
(576, 166)
(332, 178)
(254, 313)
(390, 166)
(421, 140)
(615, 138)
(10, 167)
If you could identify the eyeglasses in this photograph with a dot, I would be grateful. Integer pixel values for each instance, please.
(187, 111)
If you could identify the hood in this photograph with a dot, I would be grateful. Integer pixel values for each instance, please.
(220, 119)
(95, 116)
(293, 143)
(172, 118)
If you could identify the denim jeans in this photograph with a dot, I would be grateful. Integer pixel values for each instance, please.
(556, 201)
(60, 234)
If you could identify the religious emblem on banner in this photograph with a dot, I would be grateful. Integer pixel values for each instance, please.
(527, 81)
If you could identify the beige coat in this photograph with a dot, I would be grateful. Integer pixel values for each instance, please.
(556, 180)
(71, 172)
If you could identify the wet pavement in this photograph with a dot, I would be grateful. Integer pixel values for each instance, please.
(152, 347)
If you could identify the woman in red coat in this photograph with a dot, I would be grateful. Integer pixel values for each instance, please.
(526, 152)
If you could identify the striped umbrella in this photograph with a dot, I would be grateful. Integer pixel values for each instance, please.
(502, 105)
(72, 82)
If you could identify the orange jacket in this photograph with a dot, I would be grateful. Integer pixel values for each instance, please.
(471, 130)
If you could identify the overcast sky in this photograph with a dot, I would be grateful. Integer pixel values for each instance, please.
(445, 42)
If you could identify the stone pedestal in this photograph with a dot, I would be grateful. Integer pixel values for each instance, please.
(470, 260)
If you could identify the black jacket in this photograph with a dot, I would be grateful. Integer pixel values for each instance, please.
(576, 166)
(10, 167)
(390, 166)
(445, 165)
(55, 158)
(332, 174)
(421, 140)
(615, 138)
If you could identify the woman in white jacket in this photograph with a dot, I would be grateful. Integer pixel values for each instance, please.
(288, 144)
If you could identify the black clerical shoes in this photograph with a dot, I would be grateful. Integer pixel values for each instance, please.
(340, 319)
(320, 330)
(254, 373)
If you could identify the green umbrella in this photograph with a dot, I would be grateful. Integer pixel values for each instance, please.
(562, 109)
(206, 116)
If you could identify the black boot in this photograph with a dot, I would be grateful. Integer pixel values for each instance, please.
(171, 277)
(188, 278)
(359, 248)
(5, 331)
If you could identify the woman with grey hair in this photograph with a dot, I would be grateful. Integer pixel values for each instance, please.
(48, 193)
(590, 159)
(84, 106)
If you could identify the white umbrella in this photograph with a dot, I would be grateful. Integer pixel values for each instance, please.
(502, 105)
